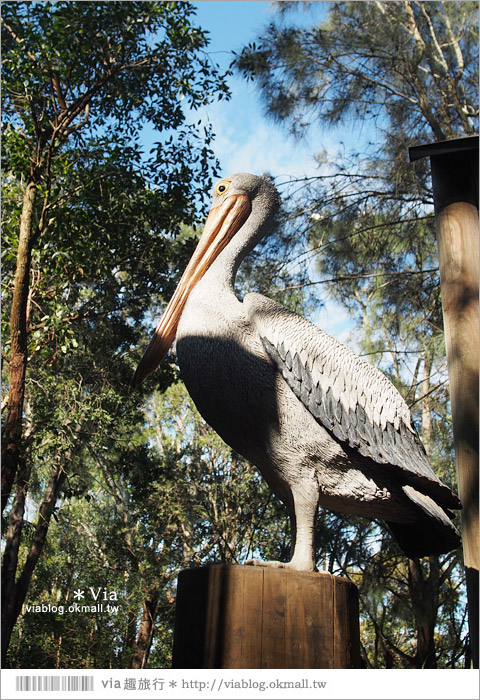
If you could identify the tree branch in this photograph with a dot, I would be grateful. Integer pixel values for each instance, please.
(19, 41)
(343, 278)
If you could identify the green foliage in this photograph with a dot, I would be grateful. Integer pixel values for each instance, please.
(221, 500)
(411, 66)
(129, 62)
(394, 608)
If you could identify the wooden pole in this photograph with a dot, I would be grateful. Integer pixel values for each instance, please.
(255, 617)
(454, 168)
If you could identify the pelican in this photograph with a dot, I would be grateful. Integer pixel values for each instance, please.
(323, 426)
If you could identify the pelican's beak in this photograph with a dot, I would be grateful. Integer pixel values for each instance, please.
(222, 224)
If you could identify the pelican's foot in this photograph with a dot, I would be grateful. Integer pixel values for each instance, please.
(270, 564)
(281, 565)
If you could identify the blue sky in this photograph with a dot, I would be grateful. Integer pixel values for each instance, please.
(245, 139)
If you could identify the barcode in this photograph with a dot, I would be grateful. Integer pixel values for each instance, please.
(52, 683)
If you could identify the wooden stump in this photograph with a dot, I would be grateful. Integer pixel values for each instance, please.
(256, 617)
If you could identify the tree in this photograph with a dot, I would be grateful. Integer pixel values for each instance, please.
(89, 233)
(416, 77)
(401, 72)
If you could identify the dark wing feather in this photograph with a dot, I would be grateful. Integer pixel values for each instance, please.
(347, 395)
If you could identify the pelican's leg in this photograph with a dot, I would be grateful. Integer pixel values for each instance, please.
(302, 518)
(303, 533)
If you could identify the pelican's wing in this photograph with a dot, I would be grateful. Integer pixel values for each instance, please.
(348, 396)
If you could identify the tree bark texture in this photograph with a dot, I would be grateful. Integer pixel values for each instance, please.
(424, 592)
(146, 630)
(459, 271)
(12, 434)
(455, 187)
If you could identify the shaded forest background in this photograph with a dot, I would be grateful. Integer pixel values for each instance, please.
(117, 491)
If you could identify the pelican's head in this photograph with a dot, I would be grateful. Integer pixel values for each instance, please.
(232, 201)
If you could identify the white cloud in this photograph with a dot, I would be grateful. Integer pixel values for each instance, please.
(333, 318)
(246, 142)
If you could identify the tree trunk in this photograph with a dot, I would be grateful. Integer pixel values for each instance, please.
(129, 639)
(14, 592)
(145, 633)
(426, 403)
(13, 539)
(12, 435)
(424, 597)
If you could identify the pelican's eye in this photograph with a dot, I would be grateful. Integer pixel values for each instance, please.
(222, 186)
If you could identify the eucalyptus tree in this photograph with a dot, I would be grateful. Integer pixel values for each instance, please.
(91, 235)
